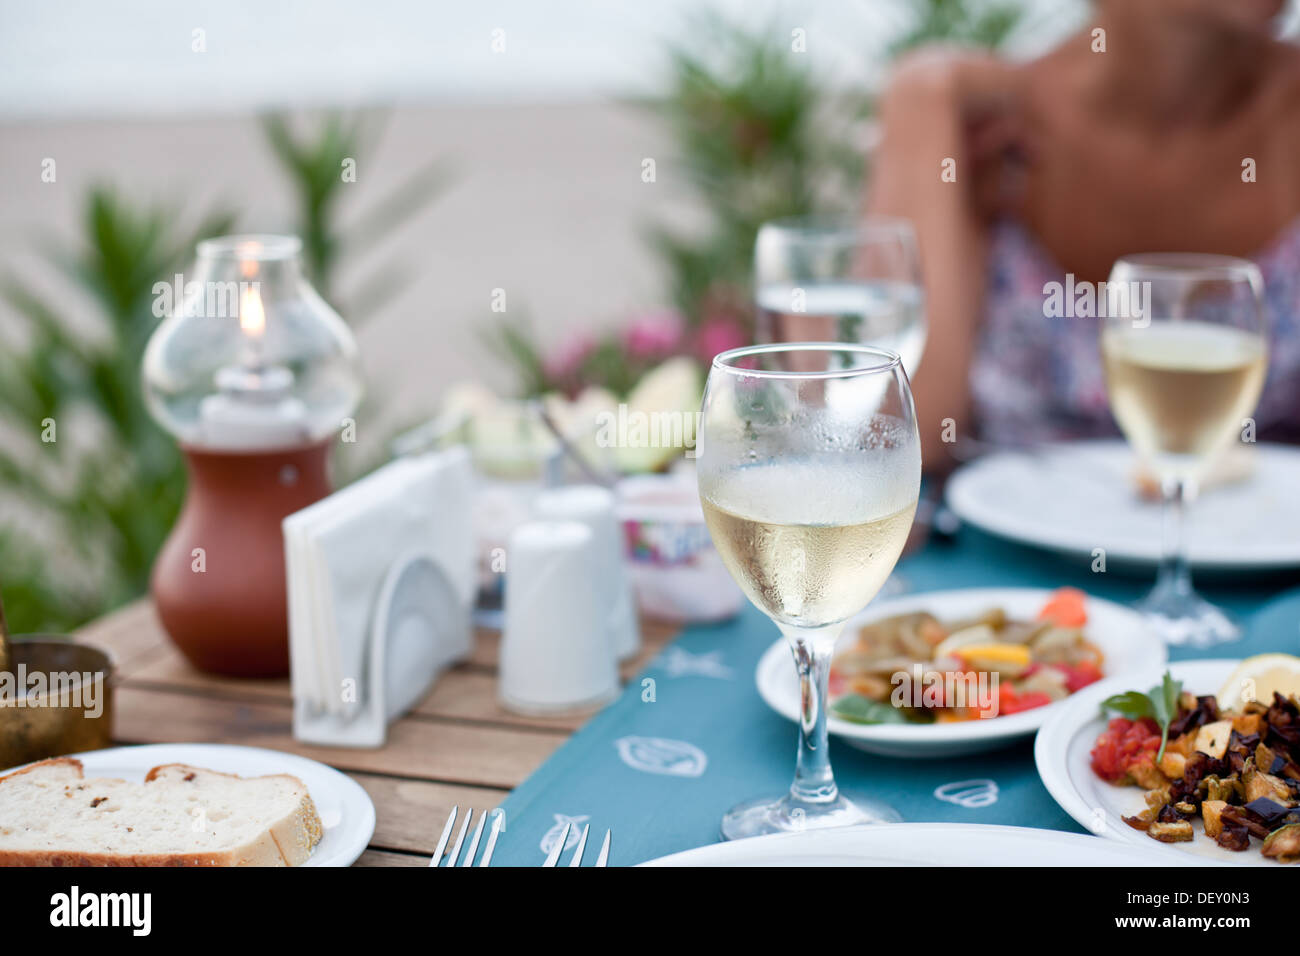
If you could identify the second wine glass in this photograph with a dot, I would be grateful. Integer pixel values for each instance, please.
(855, 280)
(1185, 352)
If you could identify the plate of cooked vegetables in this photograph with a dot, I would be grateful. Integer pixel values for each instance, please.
(955, 672)
(1201, 759)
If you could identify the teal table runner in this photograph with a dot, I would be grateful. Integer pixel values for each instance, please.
(661, 772)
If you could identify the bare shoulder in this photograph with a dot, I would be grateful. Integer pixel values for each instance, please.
(1284, 95)
(944, 70)
(1280, 104)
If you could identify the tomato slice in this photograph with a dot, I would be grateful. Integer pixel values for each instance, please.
(1079, 676)
(1009, 702)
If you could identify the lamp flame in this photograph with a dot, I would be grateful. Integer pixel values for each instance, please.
(252, 317)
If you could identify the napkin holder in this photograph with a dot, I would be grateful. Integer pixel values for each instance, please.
(405, 654)
(370, 637)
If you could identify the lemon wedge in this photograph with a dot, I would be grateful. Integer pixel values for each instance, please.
(1256, 678)
(1016, 655)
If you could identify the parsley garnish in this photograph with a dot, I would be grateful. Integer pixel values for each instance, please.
(1160, 704)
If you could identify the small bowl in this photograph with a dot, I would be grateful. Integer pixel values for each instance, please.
(57, 699)
(676, 572)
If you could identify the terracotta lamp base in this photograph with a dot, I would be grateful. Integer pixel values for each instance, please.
(219, 580)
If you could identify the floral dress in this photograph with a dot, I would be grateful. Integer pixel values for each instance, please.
(1037, 378)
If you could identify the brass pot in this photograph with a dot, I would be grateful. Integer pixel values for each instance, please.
(55, 698)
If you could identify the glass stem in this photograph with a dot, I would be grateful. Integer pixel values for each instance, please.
(813, 781)
(1174, 575)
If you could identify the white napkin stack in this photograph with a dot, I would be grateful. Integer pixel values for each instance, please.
(348, 559)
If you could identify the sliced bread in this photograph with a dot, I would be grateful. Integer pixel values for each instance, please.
(50, 815)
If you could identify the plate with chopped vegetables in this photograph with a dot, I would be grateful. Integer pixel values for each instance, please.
(957, 672)
(1201, 760)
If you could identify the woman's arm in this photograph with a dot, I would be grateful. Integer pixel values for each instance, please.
(940, 107)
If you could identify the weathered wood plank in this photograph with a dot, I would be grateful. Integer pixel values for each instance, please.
(384, 858)
(654, 636)
(130, 633)
(409, 814)
(416, 747)
(465, 692)
(472, 695)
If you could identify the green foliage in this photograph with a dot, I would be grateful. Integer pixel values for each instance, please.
(981, 24)
(107, 487)
(314, 164)
(760, 139)
(747, 121)
(513, 340)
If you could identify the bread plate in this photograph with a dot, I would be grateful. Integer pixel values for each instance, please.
(346, 811)
(1120, 632)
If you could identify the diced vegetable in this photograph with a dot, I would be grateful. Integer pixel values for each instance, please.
(1172, 765)
(1212, 815)
(1079, 676)
(1178, 831)
(1283, 844)
(1212, 739)
(1011, 702)
(1122, 746)
(1067, 607)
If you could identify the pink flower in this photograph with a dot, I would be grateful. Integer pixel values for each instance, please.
(564, 364)
(718, 335)
(653, 335)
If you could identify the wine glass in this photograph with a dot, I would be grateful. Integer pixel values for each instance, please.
(841, 280)
(809, 467)
(1185, 351)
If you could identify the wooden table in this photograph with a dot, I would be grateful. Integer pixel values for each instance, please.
(458, 746)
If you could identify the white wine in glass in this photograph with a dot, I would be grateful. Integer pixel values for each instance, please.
(807, 560)
(1178, 388)
(809, 467)
(1184, 371)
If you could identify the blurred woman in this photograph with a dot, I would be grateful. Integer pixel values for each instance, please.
(1165, 125)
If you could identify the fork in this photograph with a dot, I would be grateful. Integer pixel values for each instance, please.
(553, 858)
(474, 840)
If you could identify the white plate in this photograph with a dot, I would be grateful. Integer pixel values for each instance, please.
(1073, 498)
(1062, 755)
(1120, 633)
(345, 809)
(918, 844)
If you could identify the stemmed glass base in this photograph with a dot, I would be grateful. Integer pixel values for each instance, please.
(788, 814)
(813, 801)
(1183, 618)
(1173, 610)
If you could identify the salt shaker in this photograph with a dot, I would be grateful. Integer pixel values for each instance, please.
(594, 507)
(555, 650)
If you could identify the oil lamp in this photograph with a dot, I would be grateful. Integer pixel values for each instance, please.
(254, 374)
